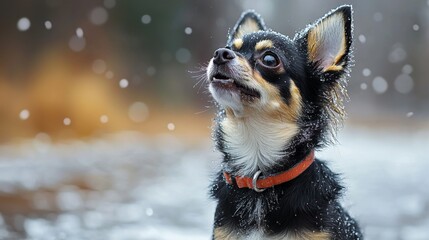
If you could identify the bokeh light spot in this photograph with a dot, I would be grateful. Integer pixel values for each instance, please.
(98, 16)
(380, 85)
(404, 83)
(138, 112)
(23, 24)
(48, 25)
(77, 44)
(146, 19)
(123, 83)
(24, 114)
(183, 55)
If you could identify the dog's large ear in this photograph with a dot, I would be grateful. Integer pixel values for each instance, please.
(249, 22)
(328, 41)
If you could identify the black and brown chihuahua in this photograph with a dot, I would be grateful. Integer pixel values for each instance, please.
(279, 100)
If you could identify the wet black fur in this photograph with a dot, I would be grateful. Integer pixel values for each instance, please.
(309, 202)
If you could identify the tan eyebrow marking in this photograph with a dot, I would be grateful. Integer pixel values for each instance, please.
(238, 43)
(263, 44)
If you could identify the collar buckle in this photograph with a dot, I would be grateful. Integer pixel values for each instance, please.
(254, 182)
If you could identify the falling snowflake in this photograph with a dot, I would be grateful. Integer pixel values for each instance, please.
(67, 121)
(146, 19)
(362, 38)
(407, 69)
(171, 126)
(79, 32)
(188, 30)
(23, 24)
(104, 119)
(149, 212)
(380, 85)
(24, 114)
(123, 83)
(48, 25)
(366, 72)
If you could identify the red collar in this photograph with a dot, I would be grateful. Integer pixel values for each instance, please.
(260, 185)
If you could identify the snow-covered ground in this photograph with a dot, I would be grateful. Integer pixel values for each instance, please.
(129, 186)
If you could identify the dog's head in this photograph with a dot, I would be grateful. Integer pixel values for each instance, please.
(299, 80)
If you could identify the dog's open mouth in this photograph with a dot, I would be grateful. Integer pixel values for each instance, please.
(222, 81)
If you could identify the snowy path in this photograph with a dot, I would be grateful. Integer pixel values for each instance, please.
(131, 187)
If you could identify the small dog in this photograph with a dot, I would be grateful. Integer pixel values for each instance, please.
(280, 99)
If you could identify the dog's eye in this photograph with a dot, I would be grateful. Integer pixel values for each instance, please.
(270, 60)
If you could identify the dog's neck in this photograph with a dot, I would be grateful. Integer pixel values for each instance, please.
(255, 141)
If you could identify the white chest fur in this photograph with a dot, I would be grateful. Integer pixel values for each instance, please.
(256, 143)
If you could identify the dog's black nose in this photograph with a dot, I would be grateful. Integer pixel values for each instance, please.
(223, 55)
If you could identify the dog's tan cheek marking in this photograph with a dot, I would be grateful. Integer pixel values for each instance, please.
(221, 233)
(271, 90)
(295, 104)
(264, 44)
(279, 109)
(238, 43)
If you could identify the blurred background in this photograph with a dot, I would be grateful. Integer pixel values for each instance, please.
(105, 129)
